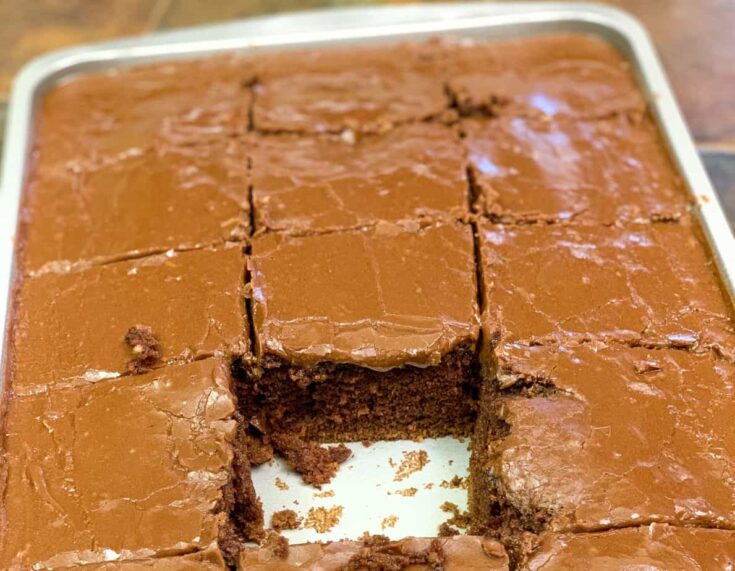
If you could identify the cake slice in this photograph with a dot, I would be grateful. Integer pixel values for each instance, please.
(367, 334)
(593, 437)
(458, 553)
(363, 89)
(327, 183)
(569, 75)
(654, 547)
(650, 284)
(209, 559)
(146, 202)
(99, 117)
(601, 172)
(86, 326)
(128, 469)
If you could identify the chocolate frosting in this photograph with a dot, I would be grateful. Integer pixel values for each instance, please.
(461, 553)
(128, 110)
(603, 171)
(125, 469)
(142, 202)
(71, 327)
(654, 548)
(649, 283)
(561, 75)
(383, 297)
(332, 89)
(619, 437)
(210, 559)
(309, 184)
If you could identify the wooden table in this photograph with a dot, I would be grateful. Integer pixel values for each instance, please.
(696, 40)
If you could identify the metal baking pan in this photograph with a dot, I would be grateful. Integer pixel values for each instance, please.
(379, 24)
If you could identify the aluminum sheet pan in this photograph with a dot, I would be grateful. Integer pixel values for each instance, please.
(373, 466)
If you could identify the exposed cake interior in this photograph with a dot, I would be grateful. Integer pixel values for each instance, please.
(343, 403)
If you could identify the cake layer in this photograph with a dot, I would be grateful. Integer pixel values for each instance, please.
(315, 184)
(653, 284)
(613, 170)
(602, 436)
(146, 201)
(348, 403)
(125, 469)
(366, 89)
(86, 326)
(561, 75)
(654, 548)
(459, 553)
(101, 116)
(383, 297)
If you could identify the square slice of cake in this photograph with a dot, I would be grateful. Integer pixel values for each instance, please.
(99, 323)
(602, 172)
(146, 202)
(591, 437)
(652, 284)
(130, 468)
(363, 89)
(365, 334)
(459, 553)
(550, 76)
(98, 117)
(654, 547)
(326, 183)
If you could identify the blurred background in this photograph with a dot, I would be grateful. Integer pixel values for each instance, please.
(695, 38)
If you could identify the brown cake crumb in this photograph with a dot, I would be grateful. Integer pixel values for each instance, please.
(459, 518)
(276, 544)
(392, 556)
(389, 521)
(280, 484)
(446, 530)
(259, 449)
(413, 461)
(323, 520)
(408, 492)
(316, 464)
(145, 347)
(285, 519)
(429, 486)
(325, 494)
(455, 483)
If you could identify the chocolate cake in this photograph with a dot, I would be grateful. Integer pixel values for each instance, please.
(315, 184)
(123, 469)
(190, 301)
(224, 260)
(459, 553)
(597, 436)
(586, 282)
(655, 547)
(364, 334)
(612, 170)
(145, 202)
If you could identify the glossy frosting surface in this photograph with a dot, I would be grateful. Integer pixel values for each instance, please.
(592, 171)
(329, 90)
(623, 436)
(561, 75)
(380, 298)
(71, 327)
(461, 553)
(308, 184)
(100, 116)
(652, 283)
(654, 548)
(146, 201)
(120, 469)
